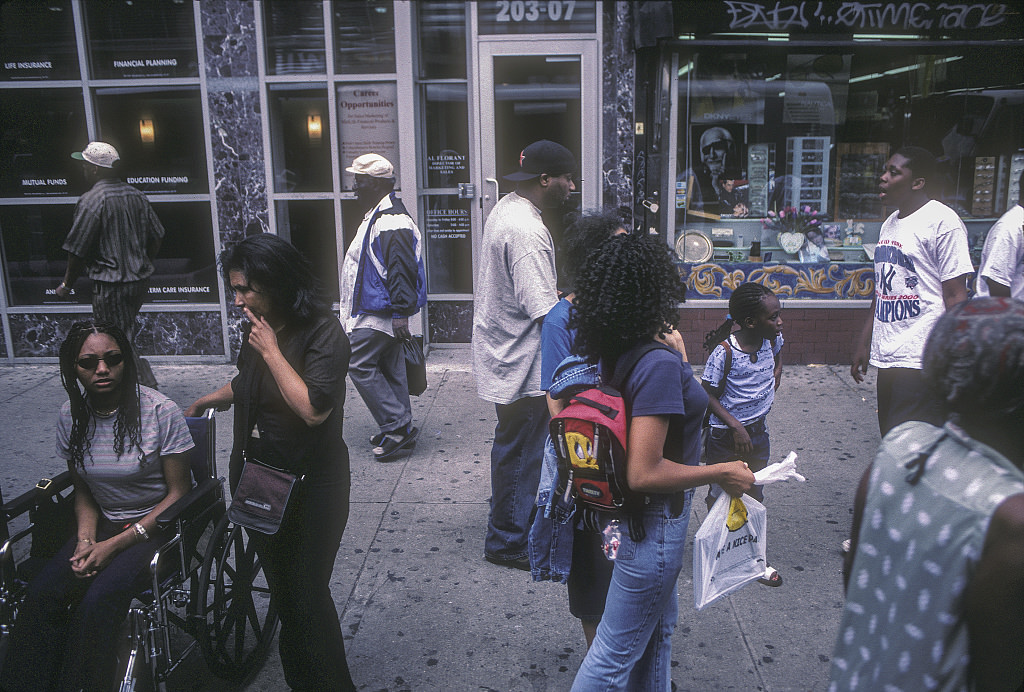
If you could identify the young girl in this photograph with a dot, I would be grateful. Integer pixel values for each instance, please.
(628, 294)
(740, 377)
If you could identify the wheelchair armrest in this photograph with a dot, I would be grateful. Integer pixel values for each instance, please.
(194, 502)
(44, 489)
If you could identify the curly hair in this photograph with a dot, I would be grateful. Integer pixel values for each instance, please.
(744, 302)
(128, 424)
(582, 237)
(974, 360)
(281, 272)
(630, 292)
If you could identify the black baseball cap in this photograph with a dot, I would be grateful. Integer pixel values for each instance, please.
(543, 156)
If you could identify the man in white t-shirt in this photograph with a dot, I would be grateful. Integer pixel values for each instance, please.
(1001, 273)
(921, 265)
(515, 289)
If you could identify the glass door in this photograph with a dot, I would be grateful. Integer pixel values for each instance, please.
(531, 90)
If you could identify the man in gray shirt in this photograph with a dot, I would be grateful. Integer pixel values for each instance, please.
(515, 290)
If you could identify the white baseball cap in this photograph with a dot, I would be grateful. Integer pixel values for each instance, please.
(98, 154)
(373, 165)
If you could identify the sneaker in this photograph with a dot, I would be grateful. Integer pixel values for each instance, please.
(395, 443)
(522, 563)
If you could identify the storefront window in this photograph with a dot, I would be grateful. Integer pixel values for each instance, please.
(449, 245)
(33, 260)
(367, 122)
(300, 139)
(364, 36)
(185, 271)
(309, 226)
(764, 130)
(158, 131)
(295, 36)
(40, 130)
(141, 38)
(442, 34)
(37, 40)
(446, 133)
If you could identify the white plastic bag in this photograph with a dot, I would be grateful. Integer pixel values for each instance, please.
(729, 549)
(784, 470)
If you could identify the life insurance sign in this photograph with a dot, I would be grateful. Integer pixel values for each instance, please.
(537, 17)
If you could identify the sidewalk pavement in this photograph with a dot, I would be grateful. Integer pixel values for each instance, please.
(421, 608)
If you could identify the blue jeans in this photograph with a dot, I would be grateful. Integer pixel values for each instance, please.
(633, 647)
(720, 448)
(515, 472)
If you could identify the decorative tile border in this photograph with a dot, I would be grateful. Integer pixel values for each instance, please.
(819, 281)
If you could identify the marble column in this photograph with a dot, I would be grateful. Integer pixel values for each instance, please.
(618, 96)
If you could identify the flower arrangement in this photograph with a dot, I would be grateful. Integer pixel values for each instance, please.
(794, 220)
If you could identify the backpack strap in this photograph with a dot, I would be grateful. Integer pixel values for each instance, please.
(628, 360)
(720, 389)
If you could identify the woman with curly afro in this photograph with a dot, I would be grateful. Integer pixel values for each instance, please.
(628, 296)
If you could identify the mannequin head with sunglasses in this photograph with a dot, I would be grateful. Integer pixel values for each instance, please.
(97, 369)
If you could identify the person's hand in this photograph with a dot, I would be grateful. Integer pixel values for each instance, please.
(262, 336)
(741, 440)
(400, 326)
(62, 291)
(673, 339)
(859, 366)
(90, 558)
(736, 478)
(194, 410)
(740, 210)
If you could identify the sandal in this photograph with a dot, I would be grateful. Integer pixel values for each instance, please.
(394, 443)
(771, 577)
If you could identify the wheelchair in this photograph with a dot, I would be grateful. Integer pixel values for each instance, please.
(208, 588)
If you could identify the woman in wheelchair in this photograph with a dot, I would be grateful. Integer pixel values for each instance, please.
(290, 389)
(125, 446)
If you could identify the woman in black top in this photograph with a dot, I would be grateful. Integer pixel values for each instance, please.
(289, 395)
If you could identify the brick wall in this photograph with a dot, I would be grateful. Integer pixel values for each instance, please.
(813, 335)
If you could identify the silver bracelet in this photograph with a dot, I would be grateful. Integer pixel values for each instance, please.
(140, 531)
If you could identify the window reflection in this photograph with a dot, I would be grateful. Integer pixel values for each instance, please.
(34, 262)
(41, 129)
(295, 36)
(446, 133)
(158, 131)
(300, 139)
(37, 40)
(141, 38)
(309, 226)
(772, 129)
(364, 36)
(442, 33)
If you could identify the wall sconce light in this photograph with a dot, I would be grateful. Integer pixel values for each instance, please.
(146, 131)
(314, 128)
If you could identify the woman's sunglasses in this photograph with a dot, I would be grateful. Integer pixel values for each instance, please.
(91, 362)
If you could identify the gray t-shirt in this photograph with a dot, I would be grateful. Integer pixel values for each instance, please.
(515, 287)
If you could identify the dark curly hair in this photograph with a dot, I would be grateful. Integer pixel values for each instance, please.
(974, 361)
(744, 302)
(281, 272)
(630, 292)
(128, 424)
(583, 236)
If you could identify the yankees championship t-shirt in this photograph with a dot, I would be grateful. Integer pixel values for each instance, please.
(913, 257)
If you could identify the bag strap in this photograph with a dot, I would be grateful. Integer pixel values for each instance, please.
(720, 389)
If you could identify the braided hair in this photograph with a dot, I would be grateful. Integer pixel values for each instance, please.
(128, 424)
(630, 291)
(744, 302)
(974, 361)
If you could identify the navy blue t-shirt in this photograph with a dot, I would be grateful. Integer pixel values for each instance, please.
(650, 391)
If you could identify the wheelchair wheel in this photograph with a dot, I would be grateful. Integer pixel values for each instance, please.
(240, 617)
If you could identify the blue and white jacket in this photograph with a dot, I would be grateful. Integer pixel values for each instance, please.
(391, 255)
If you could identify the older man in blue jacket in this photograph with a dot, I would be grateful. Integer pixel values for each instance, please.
(383, 284)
